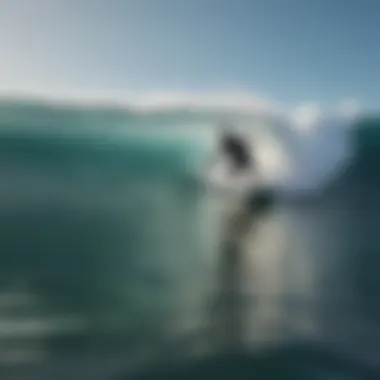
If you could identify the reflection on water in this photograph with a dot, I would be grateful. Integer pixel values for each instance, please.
(153, 267)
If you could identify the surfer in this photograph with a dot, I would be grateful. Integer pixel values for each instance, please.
(239, 153)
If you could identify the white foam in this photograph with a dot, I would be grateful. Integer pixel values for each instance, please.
(319, 155)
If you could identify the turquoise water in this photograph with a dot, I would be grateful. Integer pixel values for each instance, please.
(104, 220)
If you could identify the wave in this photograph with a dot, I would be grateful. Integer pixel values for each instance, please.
(295, 159)
(316, 155)
(332, 151)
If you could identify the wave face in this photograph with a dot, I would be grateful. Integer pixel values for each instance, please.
(71, 164)
(296, 159)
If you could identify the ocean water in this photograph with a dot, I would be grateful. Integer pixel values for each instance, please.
(112, 245)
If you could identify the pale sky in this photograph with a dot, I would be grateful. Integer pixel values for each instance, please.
(291, 51)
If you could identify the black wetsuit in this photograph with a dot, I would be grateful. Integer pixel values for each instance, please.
(237, 150)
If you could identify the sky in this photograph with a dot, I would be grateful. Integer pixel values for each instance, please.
(264, 51)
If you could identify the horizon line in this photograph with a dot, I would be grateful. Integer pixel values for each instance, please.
(224, 101)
